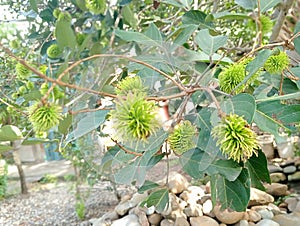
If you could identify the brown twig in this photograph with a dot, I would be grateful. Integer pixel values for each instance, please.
(88, 110)
(124, 149)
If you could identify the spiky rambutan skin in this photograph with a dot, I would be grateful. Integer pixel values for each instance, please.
(266, 24)
(130, 85)
(22, 71)
(54, 51)
(235, 138)
(96, 6)
(134, 117)
(44, 117)
(231, 77)
(182, 138)
(276, 64)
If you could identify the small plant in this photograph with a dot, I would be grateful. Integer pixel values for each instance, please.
(3, 178)
(80, 209)
(48, 178)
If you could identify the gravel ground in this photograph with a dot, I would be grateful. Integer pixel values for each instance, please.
(54, 205)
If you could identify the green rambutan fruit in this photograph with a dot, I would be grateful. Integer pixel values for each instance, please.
(231, 77)
(96, 6)
(134, 117)
(235, 138)
(276, 64)
(44, 117)
(130, 85)
(14, 44)
(22, 71)
(29, 85)
(54, 51)
(266, 24)
(182, 137)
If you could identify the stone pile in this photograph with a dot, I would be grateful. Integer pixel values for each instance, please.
(192, 206)
(282, 170)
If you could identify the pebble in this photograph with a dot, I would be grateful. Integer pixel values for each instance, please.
(268, 222)
(290, 169)
(265, 214)
(203, 221)
(130, 219)
(226, 216)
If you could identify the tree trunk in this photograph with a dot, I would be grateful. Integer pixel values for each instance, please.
(16, 145)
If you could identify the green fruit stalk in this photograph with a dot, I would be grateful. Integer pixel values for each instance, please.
(276, 64)
(235, 138)
(182, 138)
(134, 117)
(44, 117)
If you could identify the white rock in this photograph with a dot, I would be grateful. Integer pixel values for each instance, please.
(154, 219)
(138, 198)
(254, 216)
(123, 207)
(276, 189)
(106, 219)
(167, 222)
(266, 214)
(203, 221)
(287, 219)
(258, 197)
(242, 223)
(130, 220)
(196, 190)
(292, 203)
(177, 183)
(227, 216)
(181, 221)
(207, 207)
(267, 222)
(193, 210)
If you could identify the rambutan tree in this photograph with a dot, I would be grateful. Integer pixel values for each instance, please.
(142, 80)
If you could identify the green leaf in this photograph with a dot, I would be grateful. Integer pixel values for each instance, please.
(129, 16)
(91, 121)
(132, 36)
(208, 43)
(4, 148)
(33, 5)
(268, 4)
(190, 162)
(242, 104)
(226, 15)
(153, 33)
(10, 133)
(65, 124)
(267, 124)
(227, 168)
(159, 199)
(297, 40)
(198, 18)
(286, 114)
(233, 195)
(247, 4)
(148, 185)
(258, 170)
(185, 33)
(47, 15)
(203, 123)
(33, 141)
(65, 35)
(179, 3)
